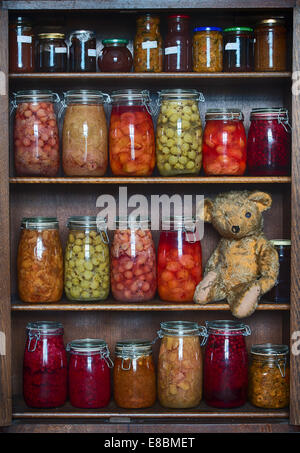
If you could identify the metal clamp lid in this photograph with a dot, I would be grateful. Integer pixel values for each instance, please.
(90, 222)
(132, 349)
(39, 223)
(38, 328)
(91, 345)
(180, 328)
(276, 352)
(224, 114)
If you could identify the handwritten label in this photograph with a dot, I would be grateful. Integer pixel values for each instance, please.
(24, 39)
(231, 46)
(149, 45)
(60, 50)
(171, 50)
(92, 52)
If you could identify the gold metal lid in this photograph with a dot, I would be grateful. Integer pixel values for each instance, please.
(280, 241)
(272, 21)
(51, 35)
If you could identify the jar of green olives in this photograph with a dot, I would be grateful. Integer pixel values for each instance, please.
(179, 132)
(87, 259)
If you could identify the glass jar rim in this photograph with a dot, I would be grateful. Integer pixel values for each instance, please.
(84, 345)
(45, 327)
(270, 350)
(179, 16)
(269, 112)
(272, 21)
(115, 41)
(221, 114)
(148, 17)
(226, 327)
(237, 29)
(286, 242)
(34, 223)
(36, 96)
(179, 328)
(196, 29)
(178, 222)
(51, 36)
(127, 222)
(132, 94)
(133, 348)
(179, 93)
(82, 32)
(85, 96)
(86, 222)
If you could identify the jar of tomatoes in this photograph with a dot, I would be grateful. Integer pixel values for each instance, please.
(148, 53)
(131, 134)
(89, 373)
(40, 260)
(133, 261)
(36, 140)
(180, 364)
(87, 259)
(44, 365)
(84, 136)
(179, 259)
(224, 142)
(269, 143)
(134, 374)
(226, 364)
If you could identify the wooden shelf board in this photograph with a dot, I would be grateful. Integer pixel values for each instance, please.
(154, 180)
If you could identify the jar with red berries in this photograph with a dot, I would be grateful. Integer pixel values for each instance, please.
(269, 143)
(36, 140)
(133, 261)
(45, 365)
(224, 142)
(89, 373)
(226, 364)
(179, 259)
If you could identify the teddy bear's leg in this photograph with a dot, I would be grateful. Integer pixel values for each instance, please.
(207, 290)
(243, 299)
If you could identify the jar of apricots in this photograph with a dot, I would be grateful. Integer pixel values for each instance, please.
(224, 142)
(133, 261)
(131, 134)
(179, 260)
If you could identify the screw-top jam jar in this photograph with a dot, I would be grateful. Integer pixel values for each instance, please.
(115, 56)
(178, 44)
(238, 49)
(281, 291)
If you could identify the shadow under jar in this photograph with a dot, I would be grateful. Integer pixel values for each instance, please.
(269, 143)
(89, 373)
(40, 261)
(270, 50)
(82, 48)
(115, 56)
(21, 45)
(180, 364)
(134, 374)
(178, 44)
(36, 140)
(44, 365)
(84, 140)
(52, 53)
(238, 49)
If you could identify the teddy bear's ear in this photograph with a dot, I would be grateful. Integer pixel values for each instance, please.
(262, 199)
(204, 210)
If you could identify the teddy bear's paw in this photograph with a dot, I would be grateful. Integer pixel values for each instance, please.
(203, 292)
(246, 304)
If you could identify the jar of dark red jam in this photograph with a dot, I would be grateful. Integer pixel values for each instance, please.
(238, 49)
(281, 291)
(21, 45)
(89, 373)
(226, 364)
(269, 143)
(45, 365)
(83, 51)
(115, 56)
(178, 44)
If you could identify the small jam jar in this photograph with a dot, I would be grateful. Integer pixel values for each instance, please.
(269, 374)
(52, 52)
(178, 44)
(238, 49)
(89, 373)
(45, 365)
(83, 51)
(269, 143)
(208, 49)
(226, 364)
(115, 56)
(21, 45)
(281, 291)
(270, 51)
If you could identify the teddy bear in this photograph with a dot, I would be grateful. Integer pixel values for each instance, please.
(244, 265)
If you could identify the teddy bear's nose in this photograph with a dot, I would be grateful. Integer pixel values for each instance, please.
(235, 229)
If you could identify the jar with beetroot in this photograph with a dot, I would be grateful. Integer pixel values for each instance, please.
(133, 261)
(226, 364)
(179, 259)
(45, 365)
(89, 373)
(269, 143)
(36, 140)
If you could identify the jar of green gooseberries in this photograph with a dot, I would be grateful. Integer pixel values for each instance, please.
(87, 259)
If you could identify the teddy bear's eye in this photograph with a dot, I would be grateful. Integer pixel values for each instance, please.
(248, 215)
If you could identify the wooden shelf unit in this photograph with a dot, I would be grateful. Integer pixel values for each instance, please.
(63, 196)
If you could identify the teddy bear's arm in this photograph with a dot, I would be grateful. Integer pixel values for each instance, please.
(214, 260)
(268, 266)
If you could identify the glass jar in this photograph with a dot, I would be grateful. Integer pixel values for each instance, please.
(131, 134)
(87, 259)
(134, 374)
(36, 140)
(83, 52)
(178, 44)
(270, 51)
(208, 49)
(44, 365)
(226, 364)
(115, 56)
(40, 261)
(224, 142)
(52, 52)
(281, 291)
(238, 49)
(21, 45)
(89, 373)
(180, 364)
(179, 259)
(269, 143)
(148, 53)
(84, 136)
(269, 376)
(179, 133)
(133, 261)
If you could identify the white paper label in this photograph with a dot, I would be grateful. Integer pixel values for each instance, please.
(149, 45)
(92, 52)
(60, 50)
(171, 50)
(231, 46)
(24, 39)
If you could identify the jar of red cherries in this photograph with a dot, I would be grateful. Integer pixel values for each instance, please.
(45, 365)
(89, 373)
(269, 143)
(179, 259)
(226, 364)
(133, 261)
